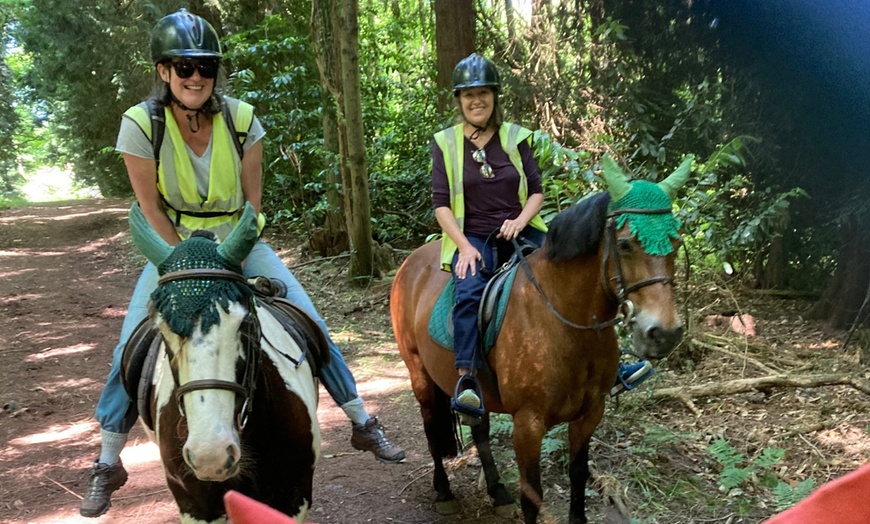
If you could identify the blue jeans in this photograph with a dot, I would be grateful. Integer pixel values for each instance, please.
(117, 413)
(469, 291)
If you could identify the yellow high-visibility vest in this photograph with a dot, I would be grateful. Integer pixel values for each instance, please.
(450, 141)
(176, 180)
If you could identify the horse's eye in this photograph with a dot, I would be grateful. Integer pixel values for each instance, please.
(624, 245)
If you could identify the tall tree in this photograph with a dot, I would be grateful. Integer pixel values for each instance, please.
(454, 40)
(332, 237)
(356, 190)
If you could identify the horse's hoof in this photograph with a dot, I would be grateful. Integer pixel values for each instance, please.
(447, 507)
(506, 511)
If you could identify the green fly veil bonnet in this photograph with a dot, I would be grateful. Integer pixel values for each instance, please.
(182, 302)
(653, 231)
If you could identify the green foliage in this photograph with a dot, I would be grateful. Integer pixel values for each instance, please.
(566, 174)
(727, 218)
(737, 471)
(274, 69)
(787, 496)
(399, 111)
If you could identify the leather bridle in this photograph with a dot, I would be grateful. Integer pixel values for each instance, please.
(621, 291)
(250, 329)
(611, 252)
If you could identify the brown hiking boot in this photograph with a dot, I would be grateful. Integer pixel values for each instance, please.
(105, 480)
(371, 437)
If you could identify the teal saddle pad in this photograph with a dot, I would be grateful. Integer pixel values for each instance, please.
(441, 320)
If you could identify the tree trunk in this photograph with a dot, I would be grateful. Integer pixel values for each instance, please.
(361, 263)
(454, 40)
(843, 297)
(332, 238)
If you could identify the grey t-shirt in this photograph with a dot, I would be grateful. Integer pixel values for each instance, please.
(132, 140)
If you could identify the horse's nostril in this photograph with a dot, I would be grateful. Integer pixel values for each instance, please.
(188, 457)
(232, 456)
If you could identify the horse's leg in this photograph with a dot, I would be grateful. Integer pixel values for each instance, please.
(579, 433)
(438, 425)
(528, 433)
(502, 501)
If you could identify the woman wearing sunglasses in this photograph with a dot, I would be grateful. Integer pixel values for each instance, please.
(199, 178)
(486, 190)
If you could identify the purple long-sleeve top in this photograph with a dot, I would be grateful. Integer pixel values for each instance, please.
(488, 201)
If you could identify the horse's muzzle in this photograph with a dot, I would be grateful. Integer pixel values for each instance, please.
(214, 464)
(653, 338)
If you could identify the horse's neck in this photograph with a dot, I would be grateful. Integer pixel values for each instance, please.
(571, 285)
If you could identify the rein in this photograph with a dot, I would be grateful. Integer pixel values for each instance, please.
(251, 329)
(626, 307)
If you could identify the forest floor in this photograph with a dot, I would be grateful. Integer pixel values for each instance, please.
(66, 272)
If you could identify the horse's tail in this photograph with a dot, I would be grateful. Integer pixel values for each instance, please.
(444, 438)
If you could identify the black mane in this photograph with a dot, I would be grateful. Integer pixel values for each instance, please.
(577, 230)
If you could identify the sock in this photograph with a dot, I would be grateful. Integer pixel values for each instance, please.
(356, 411)
(113, 443)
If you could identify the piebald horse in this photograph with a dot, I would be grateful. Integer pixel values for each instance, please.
(233, 398)
(608, 258)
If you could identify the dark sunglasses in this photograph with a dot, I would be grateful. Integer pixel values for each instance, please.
(185, 68)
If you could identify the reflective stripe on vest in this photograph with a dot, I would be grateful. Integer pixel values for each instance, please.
(449, 140)
(176, 180)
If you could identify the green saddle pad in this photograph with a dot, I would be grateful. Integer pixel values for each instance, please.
(441, 321)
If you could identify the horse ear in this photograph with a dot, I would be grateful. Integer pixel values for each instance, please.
(617, 183)
(675, 180)
(241, 239)
(146, 239)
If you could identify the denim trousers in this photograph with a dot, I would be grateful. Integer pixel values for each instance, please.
(469, 291)
(117, 413)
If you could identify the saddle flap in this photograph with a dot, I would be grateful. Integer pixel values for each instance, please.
(134, 355)
(302, 328)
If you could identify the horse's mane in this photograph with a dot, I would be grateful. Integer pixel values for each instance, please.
(577, 230)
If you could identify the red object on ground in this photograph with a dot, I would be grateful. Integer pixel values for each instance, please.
(840, 501)
(245, 510)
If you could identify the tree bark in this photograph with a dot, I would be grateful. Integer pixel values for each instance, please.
(844, 293)
(454, 40)
(332, 238)
(361, 262)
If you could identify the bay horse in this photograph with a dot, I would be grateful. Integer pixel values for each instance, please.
(233, 398)
(556, 355)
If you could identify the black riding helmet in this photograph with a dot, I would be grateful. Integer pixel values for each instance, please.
(475, 71)
(184, 35)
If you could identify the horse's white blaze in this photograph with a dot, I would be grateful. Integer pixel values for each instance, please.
(298, 380)
(212, 448)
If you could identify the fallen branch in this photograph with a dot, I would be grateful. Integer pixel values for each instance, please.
(746, 385)
(71, 492)
(747, 358)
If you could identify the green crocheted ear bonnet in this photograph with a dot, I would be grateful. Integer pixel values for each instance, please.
(654, 232)
(182, 302)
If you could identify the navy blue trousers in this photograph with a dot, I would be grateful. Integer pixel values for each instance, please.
(469, 291)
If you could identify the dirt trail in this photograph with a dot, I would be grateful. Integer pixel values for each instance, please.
(67, 270)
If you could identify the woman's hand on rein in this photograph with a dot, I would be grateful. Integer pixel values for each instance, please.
(511, 229)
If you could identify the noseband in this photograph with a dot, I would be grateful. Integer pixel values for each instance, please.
(250, 329)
